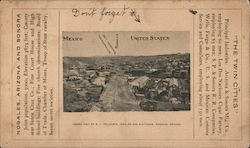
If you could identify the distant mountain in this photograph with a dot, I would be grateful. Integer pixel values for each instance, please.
(117, 59)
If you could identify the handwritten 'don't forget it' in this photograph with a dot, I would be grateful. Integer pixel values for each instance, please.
(110, 13)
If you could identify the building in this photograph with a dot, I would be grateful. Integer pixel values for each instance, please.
(140, 96)
(100, 81)
(91, 73)
(104, 74)
(139, 82)
(74, 78)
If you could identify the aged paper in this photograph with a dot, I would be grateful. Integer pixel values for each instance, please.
(124, 74)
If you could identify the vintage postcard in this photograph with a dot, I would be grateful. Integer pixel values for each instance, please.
(131, 73)
(155, 77)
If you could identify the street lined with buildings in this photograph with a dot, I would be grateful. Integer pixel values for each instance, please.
(117, 96)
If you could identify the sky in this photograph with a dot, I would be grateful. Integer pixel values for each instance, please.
(125, 43)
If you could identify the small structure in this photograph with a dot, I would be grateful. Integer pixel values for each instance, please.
(172, 81)
(140, 96)
(74, 78)
(104, 74)
(174, 101)
(91, 73)
(130, 78)
(100, 81)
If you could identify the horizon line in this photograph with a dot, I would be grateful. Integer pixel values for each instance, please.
(128, 55)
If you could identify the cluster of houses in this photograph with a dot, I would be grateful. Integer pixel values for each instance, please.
(162, 79)
(172, 90)
(88, 81)
(165, 79)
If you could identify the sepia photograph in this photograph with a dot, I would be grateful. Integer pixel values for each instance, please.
(112, 71)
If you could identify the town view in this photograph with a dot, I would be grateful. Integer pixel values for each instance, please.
(127, 83)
